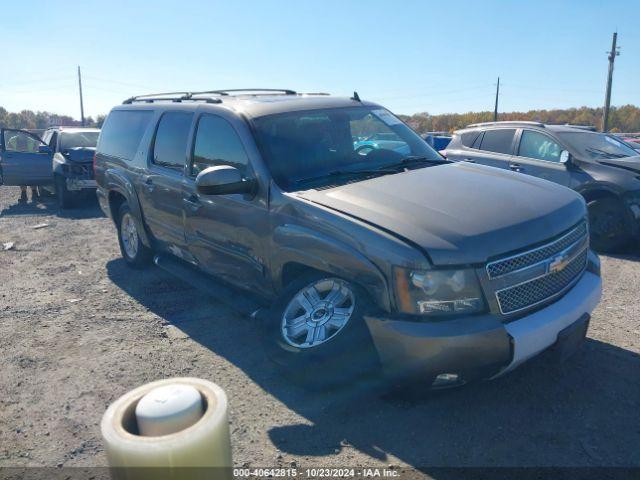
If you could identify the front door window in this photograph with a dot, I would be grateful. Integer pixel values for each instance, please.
(21, 141)
(539, 146)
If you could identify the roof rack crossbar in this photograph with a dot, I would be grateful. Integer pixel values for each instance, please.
(506, 122)
(225, 92)
(179, 96)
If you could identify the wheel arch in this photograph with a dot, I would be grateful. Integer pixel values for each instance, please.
(120, 189)
(301, 250)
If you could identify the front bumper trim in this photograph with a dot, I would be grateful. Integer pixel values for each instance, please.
(538, 331)
(477, 347)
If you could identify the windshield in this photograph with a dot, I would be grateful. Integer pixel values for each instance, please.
(78, 139)
(596, 145)
(302, 147)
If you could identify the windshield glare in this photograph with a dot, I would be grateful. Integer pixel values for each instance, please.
(301, 146)
(78, 139)
(596, 145)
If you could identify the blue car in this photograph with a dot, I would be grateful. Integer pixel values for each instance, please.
(381, 141)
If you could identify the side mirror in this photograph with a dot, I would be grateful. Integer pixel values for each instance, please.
(44, 149)
(223, 180)
(565, 156)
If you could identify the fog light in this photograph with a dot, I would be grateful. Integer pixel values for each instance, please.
(446, 380)
(451, 306)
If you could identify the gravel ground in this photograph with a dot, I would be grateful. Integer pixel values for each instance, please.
(78, 329)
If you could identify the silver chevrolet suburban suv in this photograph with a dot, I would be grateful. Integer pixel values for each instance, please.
(384, 257)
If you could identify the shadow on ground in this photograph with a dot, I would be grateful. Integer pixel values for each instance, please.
(580, 413)
(86, 206)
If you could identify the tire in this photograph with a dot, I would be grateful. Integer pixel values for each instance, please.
(64, 196)
(346, 354)
(135, 253)
(609, 228)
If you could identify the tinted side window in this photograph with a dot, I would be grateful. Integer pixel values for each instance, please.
(469, 138)
(217, 143)
(122, 132)
(498, 141)
(537, 145)
(170, 145)
(477, 141)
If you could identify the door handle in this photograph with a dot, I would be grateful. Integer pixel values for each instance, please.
(192, 202)
(469, 160)
(148, 184)
(516, 167)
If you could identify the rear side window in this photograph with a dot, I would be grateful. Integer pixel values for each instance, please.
(217, 143)
(498, 141)
(122, 132)
(170, 145)
(468, 138)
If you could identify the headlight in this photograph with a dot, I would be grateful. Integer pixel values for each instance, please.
(438, 292)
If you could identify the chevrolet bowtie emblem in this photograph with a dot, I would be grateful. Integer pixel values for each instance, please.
(558, 263)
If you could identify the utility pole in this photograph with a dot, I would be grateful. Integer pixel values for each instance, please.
(495, 111)
(81, 103)
(615, 51)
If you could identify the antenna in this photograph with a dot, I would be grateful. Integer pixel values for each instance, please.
(356, 97)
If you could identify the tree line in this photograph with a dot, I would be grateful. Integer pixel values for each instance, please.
(30, 120)
(621, 119)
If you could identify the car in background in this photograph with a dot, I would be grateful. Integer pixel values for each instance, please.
(633, 140)
(438, 140)
(381, 140)
(601, 167)
(60, 161)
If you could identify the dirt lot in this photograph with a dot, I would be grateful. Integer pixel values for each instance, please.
(78, 329)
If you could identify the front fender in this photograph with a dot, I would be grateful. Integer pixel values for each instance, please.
(116, 181)
(308, 248)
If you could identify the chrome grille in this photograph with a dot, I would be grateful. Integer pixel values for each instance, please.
(511, 264)
(538, 290)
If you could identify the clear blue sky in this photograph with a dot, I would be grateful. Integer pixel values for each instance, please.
(412, 56)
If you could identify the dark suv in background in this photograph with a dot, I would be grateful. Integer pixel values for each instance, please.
(603, 169)
(389, 254)
(60, 161)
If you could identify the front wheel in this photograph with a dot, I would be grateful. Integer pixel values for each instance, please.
(132, 249)
(316, 332)
(65, 197)
(610, 231)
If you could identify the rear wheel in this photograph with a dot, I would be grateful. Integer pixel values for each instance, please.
(316, 333)
(132, 249)
(64, 196)
(610, 231)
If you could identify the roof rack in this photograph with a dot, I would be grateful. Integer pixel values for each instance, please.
(506, 122)
(195, 96)
(590, 128)
(264, 91)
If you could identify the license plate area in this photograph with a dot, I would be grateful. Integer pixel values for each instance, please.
(571, 337)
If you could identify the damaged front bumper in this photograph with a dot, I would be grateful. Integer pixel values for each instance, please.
(478, 347)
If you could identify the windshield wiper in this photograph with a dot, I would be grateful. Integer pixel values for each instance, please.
(346, 173)
(415, 160)
(604, 153)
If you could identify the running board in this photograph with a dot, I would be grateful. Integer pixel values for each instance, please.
(240, 301)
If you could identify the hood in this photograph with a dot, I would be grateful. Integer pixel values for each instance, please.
(79, 154)
(459, 213)
(628, 163)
